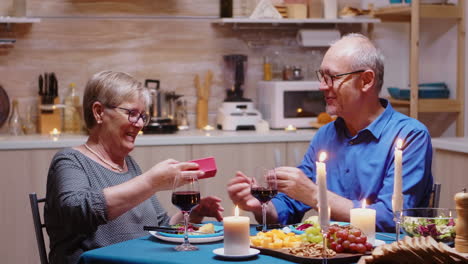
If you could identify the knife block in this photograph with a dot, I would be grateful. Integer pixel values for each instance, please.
(50, 119)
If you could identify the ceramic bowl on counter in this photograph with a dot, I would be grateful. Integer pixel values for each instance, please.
(439, 223)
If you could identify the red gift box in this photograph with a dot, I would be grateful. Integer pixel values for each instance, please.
(207, 165)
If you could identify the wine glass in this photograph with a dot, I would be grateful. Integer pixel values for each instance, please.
(186, 195)
(264, 187)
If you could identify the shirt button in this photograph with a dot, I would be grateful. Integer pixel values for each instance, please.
(347, 170)
(351, 142)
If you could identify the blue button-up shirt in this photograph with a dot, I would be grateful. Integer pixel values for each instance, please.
(362, 166)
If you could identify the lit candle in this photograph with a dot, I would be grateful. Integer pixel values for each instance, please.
(236, 234)
(324, 214)
(290, 128)
(208, 128)
(397, 198)
(55, 133)
(364, 219)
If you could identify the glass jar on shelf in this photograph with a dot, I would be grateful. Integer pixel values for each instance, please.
(15, 123)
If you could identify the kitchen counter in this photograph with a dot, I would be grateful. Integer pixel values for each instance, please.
(456, 144)
(192, 137)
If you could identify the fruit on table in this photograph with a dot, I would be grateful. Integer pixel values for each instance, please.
(275, 239)
(347, 239)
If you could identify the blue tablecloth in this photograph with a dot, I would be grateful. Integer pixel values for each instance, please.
(149, 249)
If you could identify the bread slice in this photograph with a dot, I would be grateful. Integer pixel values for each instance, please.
(457, 257)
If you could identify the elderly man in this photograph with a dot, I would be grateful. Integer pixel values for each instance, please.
(360, 146)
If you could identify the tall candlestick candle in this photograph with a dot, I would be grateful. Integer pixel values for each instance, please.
(236, 234)
(397, 198)
(364, 219)
(324, 213)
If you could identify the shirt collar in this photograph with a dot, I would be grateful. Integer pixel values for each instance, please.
(377, 126)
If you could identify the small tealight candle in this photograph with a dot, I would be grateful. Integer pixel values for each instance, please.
(55, 133)
(208, 128)
(290, 128)
(236, 234)
(364, 219)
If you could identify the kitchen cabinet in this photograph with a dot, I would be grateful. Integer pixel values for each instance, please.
(413, 14)
(449, 167)
(7, 24)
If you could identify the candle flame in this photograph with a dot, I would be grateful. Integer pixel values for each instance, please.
(399, 143)
(364, 203)
(236, 211)
(323, 156)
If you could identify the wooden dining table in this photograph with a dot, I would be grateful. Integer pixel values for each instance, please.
(150, 249)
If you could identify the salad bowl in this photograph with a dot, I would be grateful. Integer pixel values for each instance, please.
(438, 223)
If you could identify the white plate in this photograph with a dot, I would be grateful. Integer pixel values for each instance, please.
(191, 238)
(220, 252)
(378, 242)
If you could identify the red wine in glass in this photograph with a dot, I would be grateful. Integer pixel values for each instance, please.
(186, 200)
(263, 194)
(186, 195)
(264, 187)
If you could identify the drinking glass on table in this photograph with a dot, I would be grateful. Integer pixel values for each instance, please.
(264, 187)
(186, 195)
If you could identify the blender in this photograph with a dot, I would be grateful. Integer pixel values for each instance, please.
(236, 112)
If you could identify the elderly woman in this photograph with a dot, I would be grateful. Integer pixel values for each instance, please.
(97, 194)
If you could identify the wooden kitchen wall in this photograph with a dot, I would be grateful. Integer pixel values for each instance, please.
(167, 40)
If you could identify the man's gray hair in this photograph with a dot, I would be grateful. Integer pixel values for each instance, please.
(367, 56)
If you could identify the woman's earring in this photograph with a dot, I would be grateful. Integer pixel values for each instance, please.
(99, 121)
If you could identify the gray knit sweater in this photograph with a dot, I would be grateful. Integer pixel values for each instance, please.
(75, 211)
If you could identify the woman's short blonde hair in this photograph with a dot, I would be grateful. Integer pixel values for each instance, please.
(111, 88)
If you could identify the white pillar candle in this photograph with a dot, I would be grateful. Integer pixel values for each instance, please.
(364, 219)
(397, 198)
(236, 234)
(324, 213)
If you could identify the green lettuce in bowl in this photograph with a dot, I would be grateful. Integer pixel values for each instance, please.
(439, 223)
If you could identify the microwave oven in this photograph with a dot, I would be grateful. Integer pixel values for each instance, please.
(284, 103)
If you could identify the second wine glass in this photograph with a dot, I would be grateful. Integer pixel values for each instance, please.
(186, 195)
(264, 187)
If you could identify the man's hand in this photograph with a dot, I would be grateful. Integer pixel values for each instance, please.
(295, 184)
(239, 191)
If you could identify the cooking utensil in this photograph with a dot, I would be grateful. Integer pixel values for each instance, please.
(173, 230)
(4, 106)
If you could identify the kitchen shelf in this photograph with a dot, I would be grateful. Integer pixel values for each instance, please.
(16, 20)
(7, 21)
(402, 12)
(297, 21)
(413, 14)
(431, 105)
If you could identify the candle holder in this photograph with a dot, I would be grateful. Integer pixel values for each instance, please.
(324, 231)
(397, 218)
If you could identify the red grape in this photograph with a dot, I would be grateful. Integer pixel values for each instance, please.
(361, 239)
(356, 232)
(352, 238)
(346, 244)
(360, 248)
(339, 248)
(333, 245)
(369, 246)
(352, 246)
